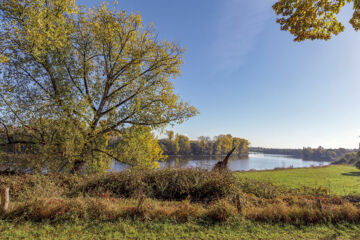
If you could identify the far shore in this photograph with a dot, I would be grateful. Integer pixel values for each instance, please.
(281, 169)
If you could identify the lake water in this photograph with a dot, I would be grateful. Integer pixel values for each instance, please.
(255, 161)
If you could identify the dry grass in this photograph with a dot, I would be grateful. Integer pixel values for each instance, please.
(171, 195)
(295, 210)
(221, 211)
(107, 209)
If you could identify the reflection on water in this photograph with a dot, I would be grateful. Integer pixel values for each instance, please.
(206, 162)
(255, 161)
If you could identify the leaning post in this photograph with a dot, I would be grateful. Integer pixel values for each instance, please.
(5, 199)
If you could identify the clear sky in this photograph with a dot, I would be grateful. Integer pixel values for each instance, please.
(250, 79)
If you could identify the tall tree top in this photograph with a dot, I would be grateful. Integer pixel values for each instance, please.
(314, 19)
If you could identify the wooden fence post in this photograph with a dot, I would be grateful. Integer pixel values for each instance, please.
(5, 199)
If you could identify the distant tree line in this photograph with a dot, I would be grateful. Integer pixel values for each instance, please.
(177, 144)
(323, 154)
(350, 158)
(307, 153)
(282, 151)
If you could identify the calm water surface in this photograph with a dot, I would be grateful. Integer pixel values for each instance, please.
(255, 161)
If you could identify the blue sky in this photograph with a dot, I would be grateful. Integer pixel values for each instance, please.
(250, 79)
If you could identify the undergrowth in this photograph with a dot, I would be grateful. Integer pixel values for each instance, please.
(177, 195)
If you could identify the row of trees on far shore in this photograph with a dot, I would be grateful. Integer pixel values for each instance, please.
(177, 144)
(307, 153)
(321, 153)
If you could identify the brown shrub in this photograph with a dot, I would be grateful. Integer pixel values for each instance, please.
(55, 209)
(187, 211)
(28, 187)
(165, 184)
(304, 214)
(221, 211)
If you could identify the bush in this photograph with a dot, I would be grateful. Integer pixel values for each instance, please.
(221, 211)
(357, 164)
(27, 187)
(349, 158)
(167, 184)
(187, 211)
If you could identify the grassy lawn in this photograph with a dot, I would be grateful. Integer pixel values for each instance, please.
(339, 179)
(132, 229)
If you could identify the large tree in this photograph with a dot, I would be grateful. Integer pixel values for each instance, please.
(314, 19)
(137, 145)
(83, 74)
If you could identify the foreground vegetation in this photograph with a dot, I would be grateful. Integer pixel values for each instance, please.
(178, 195)
(337, 179)
(179, 204)
(136, 229)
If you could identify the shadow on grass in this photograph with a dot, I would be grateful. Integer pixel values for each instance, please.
(354, 174)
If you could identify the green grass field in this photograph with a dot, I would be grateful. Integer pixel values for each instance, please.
(339, 179)
(130, 229)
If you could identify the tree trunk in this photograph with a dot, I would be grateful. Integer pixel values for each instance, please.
(5, 199)
(223, 164)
